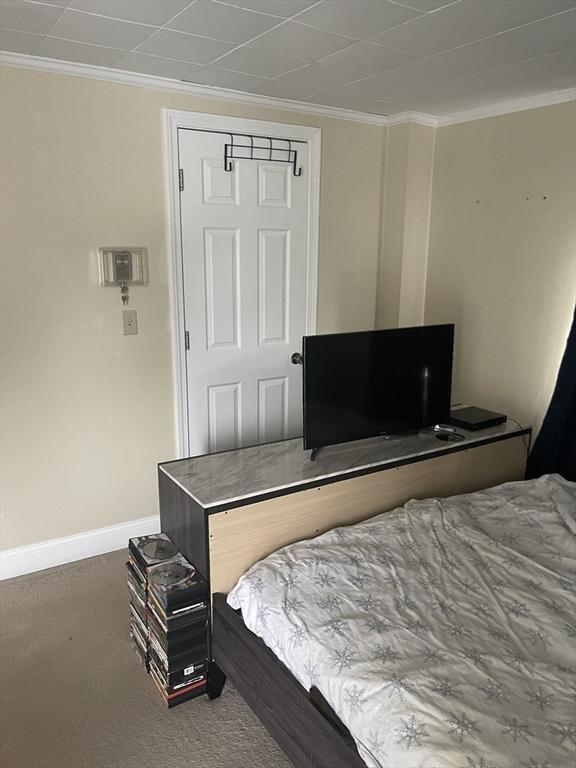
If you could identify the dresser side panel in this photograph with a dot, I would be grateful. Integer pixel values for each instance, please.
(184, 521)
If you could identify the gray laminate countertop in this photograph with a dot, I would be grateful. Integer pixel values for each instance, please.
(233, 476)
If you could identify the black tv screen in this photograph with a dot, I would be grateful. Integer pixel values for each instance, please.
(359, 385)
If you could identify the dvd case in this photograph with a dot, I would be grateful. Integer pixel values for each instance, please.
(177, 585)
(168, 617)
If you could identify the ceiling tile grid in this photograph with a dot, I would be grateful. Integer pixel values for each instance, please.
(296, 40)
(222, 22)
(375, 56)
(141, 11)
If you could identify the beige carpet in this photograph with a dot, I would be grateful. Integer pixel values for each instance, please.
(74, 695)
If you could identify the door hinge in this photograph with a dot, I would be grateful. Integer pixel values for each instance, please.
(186, 340)
(181, 179)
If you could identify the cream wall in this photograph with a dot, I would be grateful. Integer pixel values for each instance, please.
(392, 232)
(409, 162)
(502, 254)
(86, 412)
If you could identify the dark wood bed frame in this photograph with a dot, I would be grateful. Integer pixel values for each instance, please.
(308, 731)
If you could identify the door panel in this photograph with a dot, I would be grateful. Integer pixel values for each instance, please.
(219, 186)
(245, 268)
(272, 407)
(273, 288)
(221, 266)
(224, 422)
(274, 185)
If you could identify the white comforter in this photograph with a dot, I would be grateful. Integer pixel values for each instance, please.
(442, 633)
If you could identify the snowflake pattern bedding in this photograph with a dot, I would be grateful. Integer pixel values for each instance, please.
(443, 633)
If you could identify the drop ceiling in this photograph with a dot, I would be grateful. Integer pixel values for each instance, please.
(382, 57)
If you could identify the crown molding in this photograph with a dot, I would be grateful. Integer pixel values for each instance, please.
(508, 107)
(122, 77)
(418, 118)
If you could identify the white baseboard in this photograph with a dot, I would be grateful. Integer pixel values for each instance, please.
(47, 554)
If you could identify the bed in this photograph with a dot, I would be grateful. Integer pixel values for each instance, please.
(442, 633)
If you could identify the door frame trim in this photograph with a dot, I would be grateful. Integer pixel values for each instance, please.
(180, 119)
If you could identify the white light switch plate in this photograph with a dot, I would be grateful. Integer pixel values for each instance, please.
(130, 322)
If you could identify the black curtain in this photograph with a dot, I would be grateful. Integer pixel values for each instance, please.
(555, 446)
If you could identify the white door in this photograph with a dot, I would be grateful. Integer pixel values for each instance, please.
(245, 272)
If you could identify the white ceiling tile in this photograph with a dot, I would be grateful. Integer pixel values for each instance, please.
(444, 105)
(156, 12)
(360, 91)
(154, 65)
(370, 89)
(283, 8)
(61, 3)
(223, 22)
(458, 100)
(361, 18)
(425, 5)
(256, 63)
(176, 45)
(19, 42)
(28, 17)
(296, 84)
(281, 90)
(386, 108)
(556, 33)
(426, 36)
(97, 30)
(312, 78)
(67, 50)
(491, 16)
(333, 100)
(338, 97)
(538, 39)
(525, 78)
(300, 42)
(389, 86)
(382, 91)
(363, 59)
(222, 78)
(552, 72)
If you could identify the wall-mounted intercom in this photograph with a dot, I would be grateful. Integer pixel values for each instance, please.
(123, 267)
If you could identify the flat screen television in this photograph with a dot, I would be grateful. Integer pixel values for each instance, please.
(359, 385)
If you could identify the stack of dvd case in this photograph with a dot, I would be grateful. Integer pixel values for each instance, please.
(143, 553)
(169, 617)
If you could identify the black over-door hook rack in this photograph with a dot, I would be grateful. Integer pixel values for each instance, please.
(262, 148)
